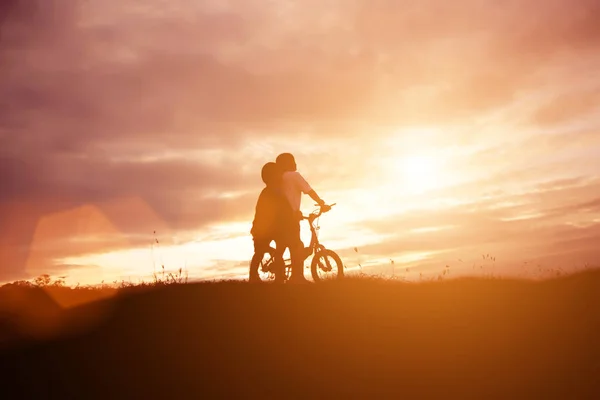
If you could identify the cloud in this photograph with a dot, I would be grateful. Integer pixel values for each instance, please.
(568, 107)
(148, 115)
(136, 75)
(511, 227)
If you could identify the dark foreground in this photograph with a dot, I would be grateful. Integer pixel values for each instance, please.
(357, 339)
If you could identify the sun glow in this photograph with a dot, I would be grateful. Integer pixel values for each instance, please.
(419, 173)
(418, 159)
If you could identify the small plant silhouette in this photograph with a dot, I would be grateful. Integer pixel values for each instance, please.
(164, 277)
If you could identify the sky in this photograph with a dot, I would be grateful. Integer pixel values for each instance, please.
(132, 136)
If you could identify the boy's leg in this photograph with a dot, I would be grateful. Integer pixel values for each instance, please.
(296, 253)
(259, 252)
(283, 241)
(279, 264)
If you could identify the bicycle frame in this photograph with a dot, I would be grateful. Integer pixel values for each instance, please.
(314, 245)
(314, 239)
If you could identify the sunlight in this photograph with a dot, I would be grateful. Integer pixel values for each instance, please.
(418, 159)
(197, 257)
(420, 172)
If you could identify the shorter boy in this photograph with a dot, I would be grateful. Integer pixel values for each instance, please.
(273, 214)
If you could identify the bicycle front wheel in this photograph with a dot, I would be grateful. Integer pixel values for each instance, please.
(326, 265)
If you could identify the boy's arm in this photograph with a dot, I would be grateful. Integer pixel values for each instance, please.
(260, 205)
(262, 215)
(313, 195)
(307, 189)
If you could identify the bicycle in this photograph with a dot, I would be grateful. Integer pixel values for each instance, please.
(320, 266)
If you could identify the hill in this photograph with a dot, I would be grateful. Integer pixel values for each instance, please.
(359, 338)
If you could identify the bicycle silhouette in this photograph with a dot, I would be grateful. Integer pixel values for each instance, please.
(325, 265)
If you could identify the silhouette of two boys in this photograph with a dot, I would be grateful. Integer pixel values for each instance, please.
(277, 217)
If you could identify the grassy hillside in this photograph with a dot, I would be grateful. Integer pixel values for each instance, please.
(468, 338)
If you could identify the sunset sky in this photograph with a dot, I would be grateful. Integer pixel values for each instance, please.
(443, 130)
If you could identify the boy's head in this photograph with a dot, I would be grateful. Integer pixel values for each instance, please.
(270, 173)
(286, 161)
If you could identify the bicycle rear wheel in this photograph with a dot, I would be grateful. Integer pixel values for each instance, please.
(267, 270)
(326, 265)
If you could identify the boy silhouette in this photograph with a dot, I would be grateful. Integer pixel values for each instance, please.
(272, 219)
(293, 185)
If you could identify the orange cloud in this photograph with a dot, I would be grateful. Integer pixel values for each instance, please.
(159, 105)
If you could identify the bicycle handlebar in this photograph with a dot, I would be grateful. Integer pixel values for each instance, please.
(316, 214)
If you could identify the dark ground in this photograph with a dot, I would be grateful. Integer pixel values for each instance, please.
(461, 339)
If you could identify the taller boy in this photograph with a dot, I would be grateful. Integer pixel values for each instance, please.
(293, 185)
